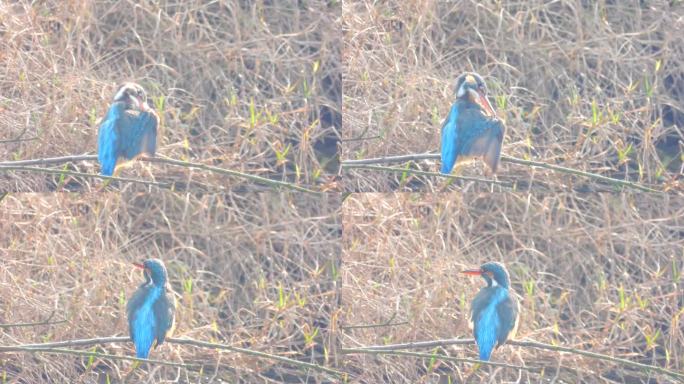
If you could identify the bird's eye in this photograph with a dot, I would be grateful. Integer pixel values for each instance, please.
(490, 274)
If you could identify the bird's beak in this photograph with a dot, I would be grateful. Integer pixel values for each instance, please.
(472, 272)
(137, 102)
(139, 265)
(481, 99)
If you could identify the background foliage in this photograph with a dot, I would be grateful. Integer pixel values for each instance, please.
(250, 271)
(249, 86)
(599, 272)
(592, 85)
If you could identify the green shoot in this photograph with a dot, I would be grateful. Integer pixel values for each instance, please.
(310, 336)
(187, 286)
(651, 337)
(623, 154)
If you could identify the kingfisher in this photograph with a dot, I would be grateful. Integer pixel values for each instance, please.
(129, 129)
(494, 312)
(471, 129)
(151, 309)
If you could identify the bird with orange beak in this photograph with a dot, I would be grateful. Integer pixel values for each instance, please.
(128, 130)
(494, 311)
(151, 309)
(471, 130)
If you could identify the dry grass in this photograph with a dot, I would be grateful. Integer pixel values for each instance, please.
(598, 272)
(595, 86)
(249, 86)
(252, 271)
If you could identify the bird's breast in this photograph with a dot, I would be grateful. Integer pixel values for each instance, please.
(144, 315)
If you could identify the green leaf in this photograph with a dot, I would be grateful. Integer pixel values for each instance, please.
(91, 358)
(62, 177)
(595, 113)
(433, 360)
(253, 118)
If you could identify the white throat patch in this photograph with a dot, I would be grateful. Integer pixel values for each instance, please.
(461, 90)
(119, 95)
(494, 283)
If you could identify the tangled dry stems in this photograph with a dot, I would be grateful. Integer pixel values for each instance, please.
(600, 273)
(250, 271)
(595, 86)
(236, 84)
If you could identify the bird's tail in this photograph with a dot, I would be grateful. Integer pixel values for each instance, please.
(449, 137)
(485, 353)
(142, 353)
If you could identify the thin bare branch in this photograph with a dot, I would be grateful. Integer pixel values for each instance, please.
(361, 163)
(23, 165)
(54, 347)
(425, 173)
(350, 351)
(533, 344)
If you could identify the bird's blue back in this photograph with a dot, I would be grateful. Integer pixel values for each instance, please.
(125, 134)
(449, 140)
(150, 317)
(468, 132)
(494, 314)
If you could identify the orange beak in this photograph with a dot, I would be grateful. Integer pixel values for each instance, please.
(484, 103)
(137, 102)
(139, 265)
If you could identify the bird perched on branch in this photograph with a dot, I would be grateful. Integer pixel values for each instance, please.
(151, 309)
(471, 129)
(494, 311)
(129, 129)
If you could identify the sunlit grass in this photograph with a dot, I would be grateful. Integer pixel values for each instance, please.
(597, 272)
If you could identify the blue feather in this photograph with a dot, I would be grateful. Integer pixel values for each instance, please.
(449, 138)
(107, 139)
(487, 323)
(139, 135)
(144, 324)
(125, 134)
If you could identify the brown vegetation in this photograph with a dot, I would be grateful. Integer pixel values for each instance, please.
(594, 85)
(250, 271)
(248, 86)
(600, 273)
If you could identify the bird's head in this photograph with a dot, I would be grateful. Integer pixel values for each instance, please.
(133, 95)
(470, 86)
(495, 274)
(154, 270)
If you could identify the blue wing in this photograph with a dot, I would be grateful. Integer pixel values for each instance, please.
(480, 135)
(108, 140)
(508, 316)
(138, 134)
(449, 140)
(164, 309)
(141, 321)
(486, 319)
(125, 134)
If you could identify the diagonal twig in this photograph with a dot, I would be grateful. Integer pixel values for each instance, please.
(25, 166)
(350, 351)
(504, 158)
(54, 347)
(426, 173)
(533, 344)
(82, 174)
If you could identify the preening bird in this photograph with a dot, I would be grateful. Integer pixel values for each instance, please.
(151, 309)
(471, 129)
(128, 130)
(494, 311)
